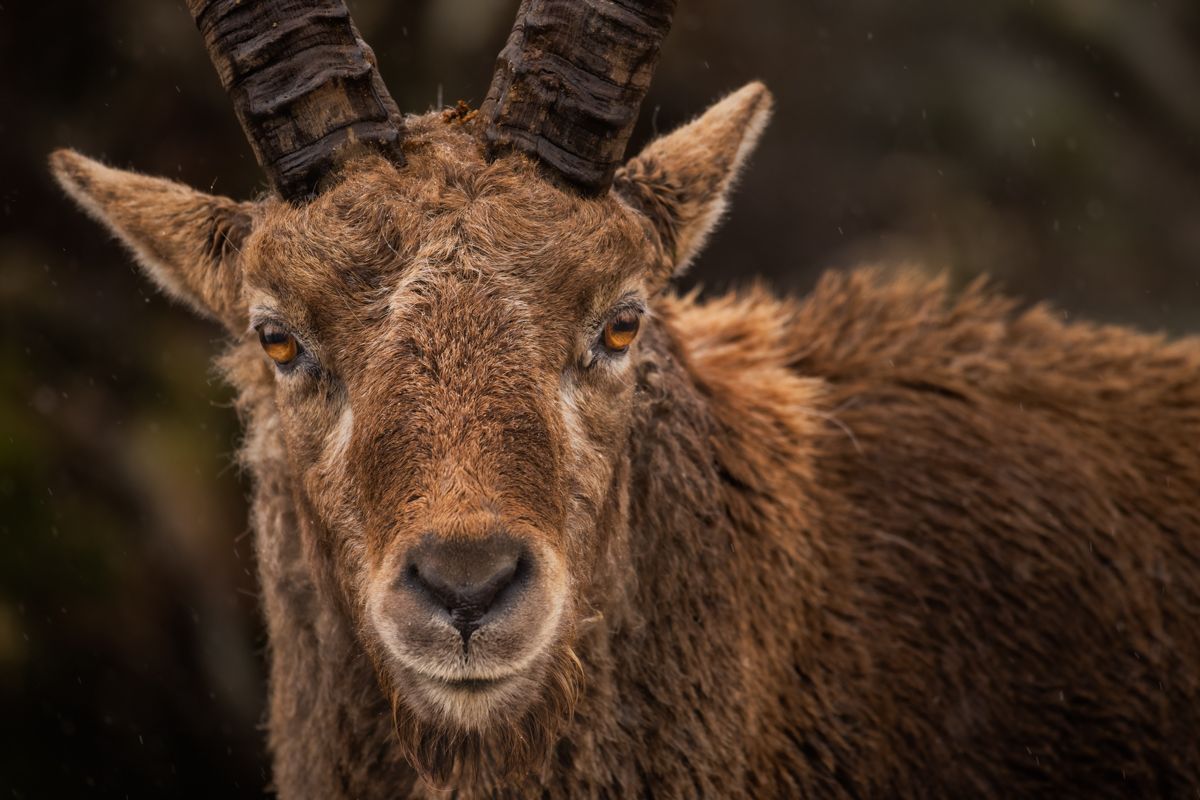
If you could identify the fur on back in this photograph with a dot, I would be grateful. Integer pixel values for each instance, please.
(1007, 508)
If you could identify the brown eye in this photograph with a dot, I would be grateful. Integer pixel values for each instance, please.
(277, 343)
(621, 330)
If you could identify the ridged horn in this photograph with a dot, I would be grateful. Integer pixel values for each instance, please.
(570, 81)
(304, 86)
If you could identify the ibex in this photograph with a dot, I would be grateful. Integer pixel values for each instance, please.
(529, 524)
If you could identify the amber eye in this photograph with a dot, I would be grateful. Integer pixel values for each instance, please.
(277, 343)
(621, 330)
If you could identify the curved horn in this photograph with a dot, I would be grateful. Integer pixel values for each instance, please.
(304, 85)
(570, 80)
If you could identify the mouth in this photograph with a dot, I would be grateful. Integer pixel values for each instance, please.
(470, 703)
(473, 685)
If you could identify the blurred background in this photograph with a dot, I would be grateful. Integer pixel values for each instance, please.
(1052, 144)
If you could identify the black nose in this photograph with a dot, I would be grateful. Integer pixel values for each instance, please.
(472, 579)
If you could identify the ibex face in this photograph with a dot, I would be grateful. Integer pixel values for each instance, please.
(437, 348)
(454, 403)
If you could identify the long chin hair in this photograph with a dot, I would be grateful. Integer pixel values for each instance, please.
(510, 751)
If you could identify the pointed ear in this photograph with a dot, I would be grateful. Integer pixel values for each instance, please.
(681, 180)
(189, 243)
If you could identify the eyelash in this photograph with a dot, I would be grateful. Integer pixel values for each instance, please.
(302, 356)
(598, 350)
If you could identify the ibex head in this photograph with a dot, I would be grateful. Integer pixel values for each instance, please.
(450, 308)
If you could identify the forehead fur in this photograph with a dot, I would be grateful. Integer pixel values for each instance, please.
(447, 209)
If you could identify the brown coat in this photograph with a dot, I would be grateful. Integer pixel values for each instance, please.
(879, 542)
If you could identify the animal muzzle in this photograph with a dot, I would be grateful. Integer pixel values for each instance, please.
(468, 583)
(468, 613)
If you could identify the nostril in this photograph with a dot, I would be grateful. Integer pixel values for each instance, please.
(465, 598)
(469, 579)
(494, 585)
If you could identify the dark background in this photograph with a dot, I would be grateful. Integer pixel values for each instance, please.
(1049, 143)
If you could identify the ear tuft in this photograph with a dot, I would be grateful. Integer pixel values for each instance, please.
(682, 180)
(186, 241)
(70, 170)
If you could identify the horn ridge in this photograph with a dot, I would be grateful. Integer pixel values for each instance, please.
(569, 82)
(304, 86)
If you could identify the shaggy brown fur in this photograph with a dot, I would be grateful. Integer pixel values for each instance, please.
(880, 542)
